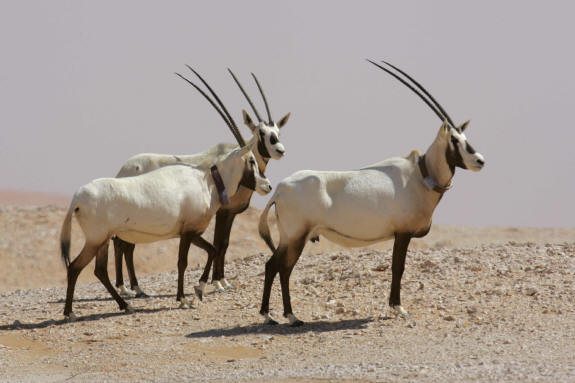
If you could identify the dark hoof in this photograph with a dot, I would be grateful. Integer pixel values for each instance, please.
(297, 323)
(199, 293)
(128, 309)
(142, 295)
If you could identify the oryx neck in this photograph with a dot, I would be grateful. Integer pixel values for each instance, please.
(220, 187)
(436, 166)
(429, 180)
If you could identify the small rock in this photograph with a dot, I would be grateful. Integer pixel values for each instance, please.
(472, 310)
(381, 267)
(449, 318)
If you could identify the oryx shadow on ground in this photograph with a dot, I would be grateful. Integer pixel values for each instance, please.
(285, 329)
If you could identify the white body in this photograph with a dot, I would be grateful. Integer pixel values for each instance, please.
(158, 205)
(356, 208)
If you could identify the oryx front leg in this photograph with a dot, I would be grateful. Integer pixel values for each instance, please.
(224, 222)
(185, 241)
(397, 267)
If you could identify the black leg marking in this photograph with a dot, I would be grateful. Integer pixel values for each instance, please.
(101, 272)
(185, 241)
(86, 255)
(205, 245)
(282, 262)
(291, 257)
(224, 222)
(400, 246)
(271, 271)
(129, 255)
(118, 253)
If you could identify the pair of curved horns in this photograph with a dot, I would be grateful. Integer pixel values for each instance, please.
(429, 100)
(270, 119)
(223, 112)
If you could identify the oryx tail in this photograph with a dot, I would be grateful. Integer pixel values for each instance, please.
(66, 235)
(264, 228)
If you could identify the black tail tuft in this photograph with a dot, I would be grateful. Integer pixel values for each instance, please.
(65, 249)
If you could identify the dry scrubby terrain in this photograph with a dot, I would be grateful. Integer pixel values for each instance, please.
(490, 304)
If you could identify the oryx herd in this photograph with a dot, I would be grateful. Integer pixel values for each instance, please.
(162, 196)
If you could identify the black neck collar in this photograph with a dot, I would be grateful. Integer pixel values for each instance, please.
(428, 180)
(220, 187)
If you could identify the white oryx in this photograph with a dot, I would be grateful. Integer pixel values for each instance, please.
(394, 198)
(265, 143)
(173, 201)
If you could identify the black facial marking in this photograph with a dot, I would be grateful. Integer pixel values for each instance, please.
(273, 139)
(262, 147)
(469, 148)
(453, 156)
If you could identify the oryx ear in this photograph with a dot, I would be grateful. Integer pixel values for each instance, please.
(248, 120)
(464, 126)
(283, 120)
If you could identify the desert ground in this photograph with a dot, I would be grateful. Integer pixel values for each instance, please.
(486, 304)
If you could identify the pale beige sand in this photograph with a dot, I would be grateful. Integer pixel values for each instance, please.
(486, 304)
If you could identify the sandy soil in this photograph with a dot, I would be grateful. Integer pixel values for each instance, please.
(486, 304)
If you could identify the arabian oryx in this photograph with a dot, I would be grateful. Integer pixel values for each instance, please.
(172, 201)
(394, 198)
(266, 145)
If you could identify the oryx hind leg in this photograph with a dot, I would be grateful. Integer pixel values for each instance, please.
(282, 262)
(271, 269)
(205, 245)
(291, 257)
(101, 272)
(88, 252)
(134, 285)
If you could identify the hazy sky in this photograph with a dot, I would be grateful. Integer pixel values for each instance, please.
(85, 85)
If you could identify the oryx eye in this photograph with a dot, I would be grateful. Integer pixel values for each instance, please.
(454, 141)
(252, 161)
(273, 139)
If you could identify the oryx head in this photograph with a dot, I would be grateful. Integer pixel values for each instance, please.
(267, 133)
(239, 167)
(459, 153)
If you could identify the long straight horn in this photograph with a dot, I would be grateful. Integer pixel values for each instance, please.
(239, 138)
(437, 104)
(270, 120)
(246, 95)
(437, 112)
(235, 129)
